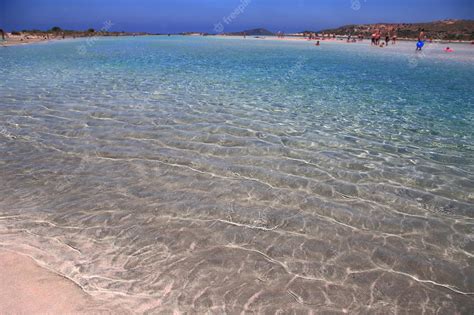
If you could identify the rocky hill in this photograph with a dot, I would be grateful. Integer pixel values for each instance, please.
(253, 32)
(446, 29)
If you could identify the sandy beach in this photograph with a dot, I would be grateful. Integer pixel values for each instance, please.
(27, 288)
(23, 40)
(26, 38)
(15, 40)
(339, 40)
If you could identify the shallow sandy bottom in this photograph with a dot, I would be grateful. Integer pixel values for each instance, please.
(204, 176)
(27, 288)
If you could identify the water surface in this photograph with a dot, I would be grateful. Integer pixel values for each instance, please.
(185, 174)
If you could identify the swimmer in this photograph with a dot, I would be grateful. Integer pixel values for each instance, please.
(317, 43)
(448, 49)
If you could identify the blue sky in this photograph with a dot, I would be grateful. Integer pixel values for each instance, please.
(201, 15)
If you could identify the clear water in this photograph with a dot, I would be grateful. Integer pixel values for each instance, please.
(202, 174)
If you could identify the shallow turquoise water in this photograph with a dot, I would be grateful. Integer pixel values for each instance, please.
(192, 174)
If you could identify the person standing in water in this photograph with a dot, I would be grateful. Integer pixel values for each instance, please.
(421, 41)
(422, 35)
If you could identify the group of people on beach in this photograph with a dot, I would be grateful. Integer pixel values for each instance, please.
(377, 39)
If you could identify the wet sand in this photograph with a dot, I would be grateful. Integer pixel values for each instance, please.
(27, 288)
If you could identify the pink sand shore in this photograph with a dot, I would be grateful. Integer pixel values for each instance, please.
(27, 288)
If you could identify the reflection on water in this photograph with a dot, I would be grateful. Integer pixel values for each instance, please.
(183, 174)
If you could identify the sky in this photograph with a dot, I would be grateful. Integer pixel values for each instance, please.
(173, 16)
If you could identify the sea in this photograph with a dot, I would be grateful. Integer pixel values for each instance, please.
(221, 175)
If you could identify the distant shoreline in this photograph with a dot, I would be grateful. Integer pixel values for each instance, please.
(19, 41)
(337, 39)
(25, 38)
